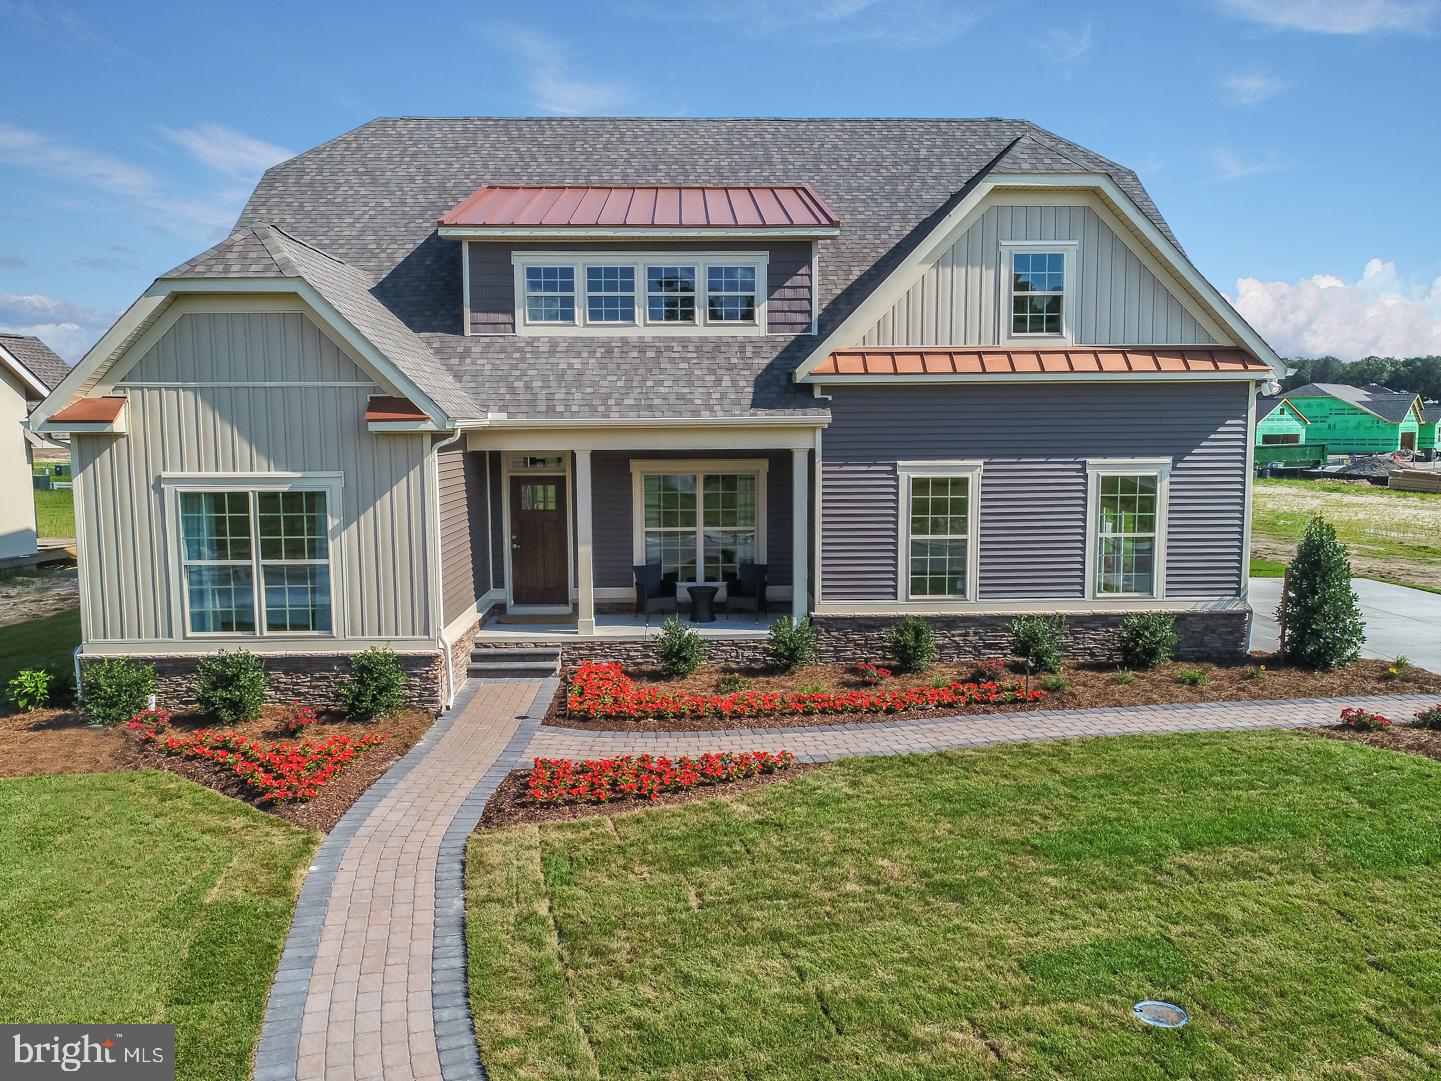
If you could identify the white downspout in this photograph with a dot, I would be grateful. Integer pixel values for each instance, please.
(437, 602)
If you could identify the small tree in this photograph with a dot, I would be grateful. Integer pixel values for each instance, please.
(1036, 641)
(1148, 639)
(116, 689)
(231, 686)
(376, 686)
(1319, 614)
(679, 648)
(913, 644)
(792, 643)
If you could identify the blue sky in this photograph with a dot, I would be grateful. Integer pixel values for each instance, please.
(1294, 145)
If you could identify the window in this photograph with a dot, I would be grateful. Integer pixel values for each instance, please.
(697, 524)
(1277, 438)
(1129, 528)
(647, 293)
(1038, 292)
(256, 561)
(938, 516)
(550, 294)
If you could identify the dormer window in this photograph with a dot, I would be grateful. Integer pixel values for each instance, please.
(1040, 278)
(641, 293)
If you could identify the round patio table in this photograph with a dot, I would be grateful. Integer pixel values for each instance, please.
(702, 603)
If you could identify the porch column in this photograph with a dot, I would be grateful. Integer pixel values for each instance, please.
(585, 571)
(800, 531)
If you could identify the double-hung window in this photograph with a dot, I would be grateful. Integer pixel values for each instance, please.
(670, 294)
(610, 294)
(256, 562)
(550, 294)
(939, 512)
(731, 294)
(1128, 523)
(1038, 291)
(700, 523)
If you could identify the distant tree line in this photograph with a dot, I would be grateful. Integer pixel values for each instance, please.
(1420, 375)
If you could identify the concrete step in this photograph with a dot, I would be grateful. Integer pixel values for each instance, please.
(540, 670)
(497, 653)
(489, 662)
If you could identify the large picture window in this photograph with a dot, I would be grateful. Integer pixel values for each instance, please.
(1128, 529)
(938, 513)
(256, 562)
(699, 524)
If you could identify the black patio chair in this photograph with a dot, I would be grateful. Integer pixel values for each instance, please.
(654, 591)
(746, 591)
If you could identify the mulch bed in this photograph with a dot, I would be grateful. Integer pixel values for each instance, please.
(1399, 737)
(511, 804)
(59, 741)
(1091, 686)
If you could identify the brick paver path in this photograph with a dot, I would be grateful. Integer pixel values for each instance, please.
(926, 732)
(364, 994)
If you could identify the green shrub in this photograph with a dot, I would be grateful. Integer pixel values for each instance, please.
(1125, 677)
(792, 643)
(1319, 613)
(1148, 639)
(1429, 718)
(1255, 671)
(1036, 641)
(913, 644)
(1401, 663)
(116, 689)
(376, 686)
(1192, 677)
(230, 686)
(813, 687)
(1055, 684)
(679, 648)
(732, 683)
(30, 689)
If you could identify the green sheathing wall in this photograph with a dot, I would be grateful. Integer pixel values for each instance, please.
(1426, 435)
(1281, 421)
(1348, 430)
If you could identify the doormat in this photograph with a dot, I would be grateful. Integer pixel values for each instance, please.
(530, 619)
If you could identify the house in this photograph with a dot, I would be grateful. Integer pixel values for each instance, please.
(1279, 422)
(447, 370)
(1430, 429)
(28, 372)
(1359, 420)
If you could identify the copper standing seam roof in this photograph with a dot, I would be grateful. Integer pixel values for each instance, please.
(90, 411)
(946, 361)
(790, 206)
(383, 408)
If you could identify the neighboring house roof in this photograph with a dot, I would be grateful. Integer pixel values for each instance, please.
(37, 358)
(1121, 362)
(371, 198)
(1266, 406)
(789, 207)
(1390, 405)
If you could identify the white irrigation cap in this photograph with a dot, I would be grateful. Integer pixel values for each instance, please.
(1160, 1014)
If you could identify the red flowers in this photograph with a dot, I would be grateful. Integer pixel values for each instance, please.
(871, 674)
(273, 771)
(295, 718)
(603, 690)
(156, 720)
(563, 780)
(992, 669)
(1356, 717)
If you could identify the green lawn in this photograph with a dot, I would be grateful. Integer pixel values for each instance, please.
(1267, 568)
(979, 914)
(141, 897)
(55, 513)
(39, 643)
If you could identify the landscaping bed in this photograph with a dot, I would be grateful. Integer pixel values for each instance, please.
(1400, 736)
(1264, 677)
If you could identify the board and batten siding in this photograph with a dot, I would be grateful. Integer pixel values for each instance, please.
(1115, 299)
(1034, 442)
(464, 533)
(181, 419)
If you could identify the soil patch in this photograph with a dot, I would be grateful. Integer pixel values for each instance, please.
(1090, 686)
(59, 741)
(32, 594)
(511, 804)
(1399, 737)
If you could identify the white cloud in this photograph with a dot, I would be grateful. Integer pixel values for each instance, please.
(1231, 164)
(830, 22)
(69, 329)
(1338, 16)
(1381, 314)
(555, 86)
(1067, 46)
(228, 151)
(1252, 87)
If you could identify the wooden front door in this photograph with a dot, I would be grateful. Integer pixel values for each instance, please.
(537, 541)
(1408, 440)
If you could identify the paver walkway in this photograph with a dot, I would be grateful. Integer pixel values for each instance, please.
(372, 984)
(929, 733)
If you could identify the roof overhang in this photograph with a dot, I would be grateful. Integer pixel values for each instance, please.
(103, 415)
(968, 210)
(651, 433)
(632, 232)
(11, 363)
(387, 413)
(943, 364)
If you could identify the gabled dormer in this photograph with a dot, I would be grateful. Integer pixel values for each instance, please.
(651, 260)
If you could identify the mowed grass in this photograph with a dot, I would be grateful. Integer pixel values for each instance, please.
(48, 642)
(55, 513)
(141, 897)
(992, 913)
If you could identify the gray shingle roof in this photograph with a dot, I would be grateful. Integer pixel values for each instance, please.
(1389, 405)
(39, 359)
(371, 197)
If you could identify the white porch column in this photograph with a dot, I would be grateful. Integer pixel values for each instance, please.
(585, 571)
(800, 531)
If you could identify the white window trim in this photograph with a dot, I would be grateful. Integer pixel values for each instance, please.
(1066, 248)
(906, 472)
(173, 484)
(641, 468)
(1096, 468)
(641, 326)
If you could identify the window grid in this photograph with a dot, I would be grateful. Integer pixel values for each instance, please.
(1126, 527)
(670, 294)
(939, 536)
(610, 294)
(627, 294)
(700, 521)
(1038, 288)
(550, 294)
(730, 294)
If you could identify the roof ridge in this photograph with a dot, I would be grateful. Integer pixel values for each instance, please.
(1036, 138)
(1037, 131)
(291, 238)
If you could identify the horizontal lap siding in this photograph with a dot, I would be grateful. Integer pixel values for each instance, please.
(464, 558)
(788, 280)
(1034, 441)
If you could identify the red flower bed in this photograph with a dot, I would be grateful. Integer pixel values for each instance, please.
(564, 780)
(275, 772)
(1365, 721)
(603, 690)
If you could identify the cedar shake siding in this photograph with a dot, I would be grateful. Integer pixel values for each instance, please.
(464, 556)
(788, 280)
(1034, 442)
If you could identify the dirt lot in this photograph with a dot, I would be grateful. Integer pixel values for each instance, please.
(27, 595)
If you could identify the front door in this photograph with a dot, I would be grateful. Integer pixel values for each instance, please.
(1408, 440)
(537, 541)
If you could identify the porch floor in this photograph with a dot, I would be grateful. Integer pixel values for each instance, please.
(620, 627)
